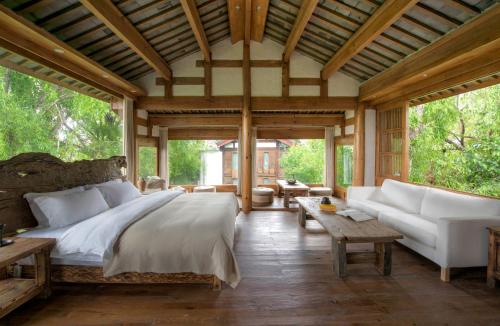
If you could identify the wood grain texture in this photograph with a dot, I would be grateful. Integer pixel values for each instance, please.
(388, 13)
(41, 172)
(113, 18)
(287, 279)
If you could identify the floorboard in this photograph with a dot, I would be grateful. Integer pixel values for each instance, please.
(287, 278)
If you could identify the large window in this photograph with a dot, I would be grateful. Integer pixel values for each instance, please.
(302, 159)
(37, 116)
(207, 162)
(148, 161)
(343, 165)
(455, 142)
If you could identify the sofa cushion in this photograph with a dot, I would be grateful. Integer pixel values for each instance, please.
(411, 226)
(441, 203)
(371, 207)
(406, 196)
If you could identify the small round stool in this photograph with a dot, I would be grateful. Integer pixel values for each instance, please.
(320, 191)
(204, 189)
(262, 196)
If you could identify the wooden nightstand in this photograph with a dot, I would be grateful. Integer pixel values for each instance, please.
(493, 257)
(16, 291)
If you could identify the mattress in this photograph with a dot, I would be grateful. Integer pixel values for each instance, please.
(56, 258)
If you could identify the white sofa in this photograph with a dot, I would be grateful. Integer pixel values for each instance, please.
(446, 227)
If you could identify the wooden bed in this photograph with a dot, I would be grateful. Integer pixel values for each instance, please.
(41, 172)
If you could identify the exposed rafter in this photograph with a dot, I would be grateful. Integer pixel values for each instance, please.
(259, 17)
(305, 13)
(113, 18)
(236, 14)
(472, 40)
(57, 55)
(384, 17)
(193, 17)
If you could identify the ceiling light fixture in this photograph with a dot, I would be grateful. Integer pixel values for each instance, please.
(105, 75)
(237, 7)
(59, 50)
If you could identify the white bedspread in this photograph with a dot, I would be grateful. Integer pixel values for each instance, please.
(165, 232)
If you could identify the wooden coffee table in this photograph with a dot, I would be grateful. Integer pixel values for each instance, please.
(345, 230)
(292, 190)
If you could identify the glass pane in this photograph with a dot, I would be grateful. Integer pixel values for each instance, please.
(343, 165)
(301, 159)
(207, 162)
(147, 161)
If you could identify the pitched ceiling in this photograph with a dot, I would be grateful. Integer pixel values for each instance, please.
(164, 27)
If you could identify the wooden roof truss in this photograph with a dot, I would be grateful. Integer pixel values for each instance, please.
(155, 33)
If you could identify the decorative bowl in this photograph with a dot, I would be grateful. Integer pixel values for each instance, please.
(291, 181)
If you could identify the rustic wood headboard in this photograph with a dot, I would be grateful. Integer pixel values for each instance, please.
(42, 172)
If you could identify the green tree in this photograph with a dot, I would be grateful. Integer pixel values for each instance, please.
(184, 161)
(455, 142)
(147, 161)
(305, 161)
(42, 117)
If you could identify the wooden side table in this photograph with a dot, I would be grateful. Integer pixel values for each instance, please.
(493, 274)
(16, 291)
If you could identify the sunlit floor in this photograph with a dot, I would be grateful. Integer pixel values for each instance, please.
(287, 278)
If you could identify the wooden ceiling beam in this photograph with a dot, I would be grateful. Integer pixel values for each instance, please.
(38, 44)
(478, 37)
(236, 15)
(4, 61)
(113, 18)
(383, 17)
(303, 16)
(193, 17)
(259, 104)
(259, 17)
(487, 65)
(247, 28)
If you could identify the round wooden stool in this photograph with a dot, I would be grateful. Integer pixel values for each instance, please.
(204, 189)
(320, 191)
(262, 196)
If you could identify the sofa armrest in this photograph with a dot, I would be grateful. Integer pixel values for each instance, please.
(463, 242)
(361, 193)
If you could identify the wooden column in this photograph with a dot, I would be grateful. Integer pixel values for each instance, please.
(168, 88)
(359, 146)
(285, 79)
(405, 148)
(129, 137)
(208, 79)
(246, 130)
(163, 154)
(323, 92)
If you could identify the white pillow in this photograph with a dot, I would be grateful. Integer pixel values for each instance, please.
(87, 187)
(37, 213)
(116, 194)
(71, 208)
(405, 196)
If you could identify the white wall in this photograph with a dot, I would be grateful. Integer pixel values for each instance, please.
(265, 81)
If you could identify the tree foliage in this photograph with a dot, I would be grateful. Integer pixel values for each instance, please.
(42, 117)
(184, 161)
(455, 142)
(305, 161)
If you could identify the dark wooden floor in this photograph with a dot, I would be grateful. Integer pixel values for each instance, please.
(287, 279)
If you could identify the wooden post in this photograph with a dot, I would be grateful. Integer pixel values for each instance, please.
(129, 137)
(383, 253)
(285, 79)
(323, 91)
(405, 150)
(359, 146)
(168, 88)
(302, 216)
(246, 133)
(208, 79)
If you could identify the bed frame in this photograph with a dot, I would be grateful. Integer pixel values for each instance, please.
(42, 172)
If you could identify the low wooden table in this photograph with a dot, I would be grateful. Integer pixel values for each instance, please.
(16, 291)
(298, 189)
(345, 230)
(493, 274)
